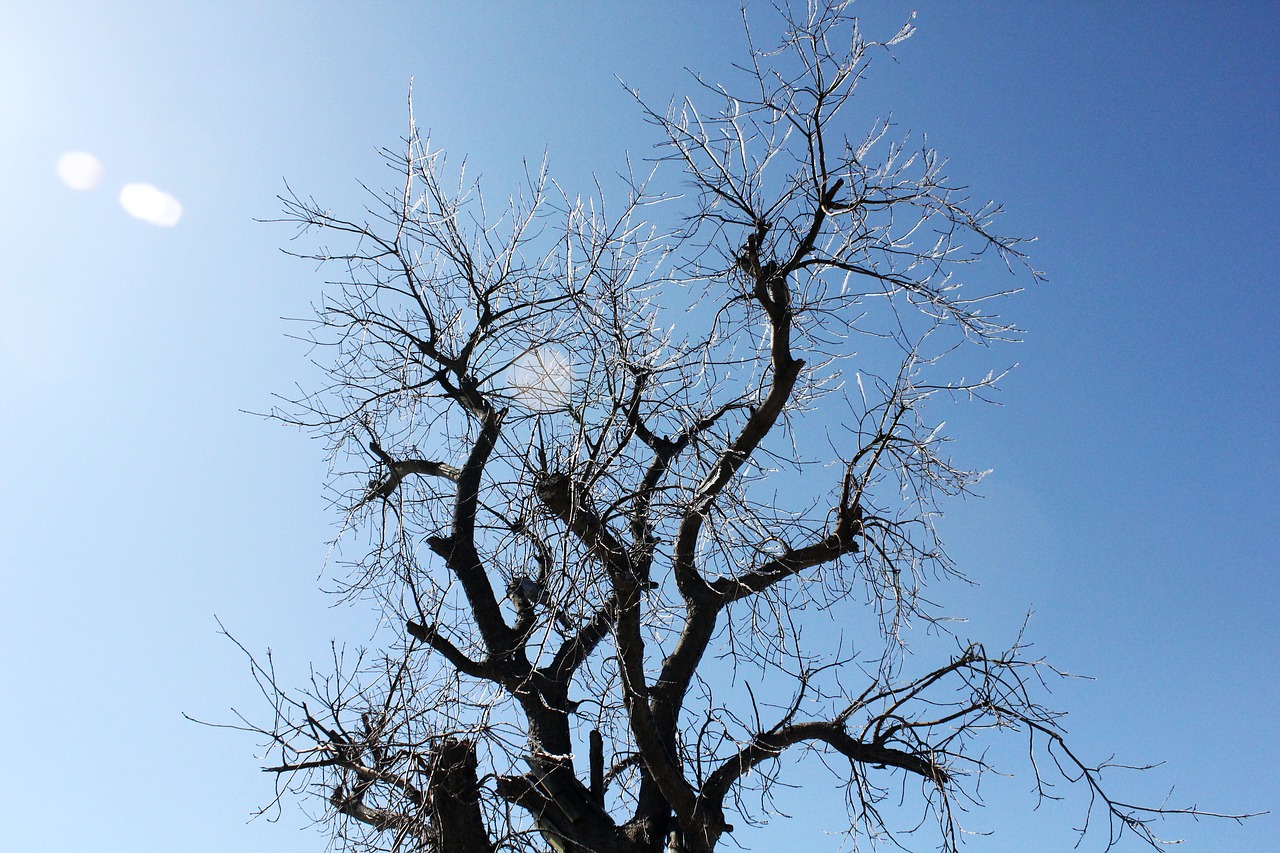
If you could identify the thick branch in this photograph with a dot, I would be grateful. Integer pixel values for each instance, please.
(430, 634)
(380, 819)
(771, 291)
(563, 809)
(398, 469)
(575, 651)
(786, 371)
(454, 797)
(656, 750)
(463, 557)
(773, 743)
(559, 495)
(831, 547)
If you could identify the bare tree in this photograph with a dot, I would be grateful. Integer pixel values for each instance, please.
(615, 478)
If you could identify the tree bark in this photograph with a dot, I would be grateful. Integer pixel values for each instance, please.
(454, 796)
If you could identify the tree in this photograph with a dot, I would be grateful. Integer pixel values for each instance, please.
(616, 479)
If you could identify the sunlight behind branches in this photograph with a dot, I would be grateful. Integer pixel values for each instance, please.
(542, 379)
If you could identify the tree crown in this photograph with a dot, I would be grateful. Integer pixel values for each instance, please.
(616, 476)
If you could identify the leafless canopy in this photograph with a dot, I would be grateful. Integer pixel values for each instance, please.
(645, 494)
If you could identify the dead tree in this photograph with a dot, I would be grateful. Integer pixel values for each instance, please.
(611, 476)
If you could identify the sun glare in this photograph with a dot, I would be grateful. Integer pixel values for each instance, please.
(149, 204)
(542, 379)
(80, 170)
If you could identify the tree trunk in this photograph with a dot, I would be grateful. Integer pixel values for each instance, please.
(455, 799)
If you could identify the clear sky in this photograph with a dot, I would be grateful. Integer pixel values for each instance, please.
(1133, 502)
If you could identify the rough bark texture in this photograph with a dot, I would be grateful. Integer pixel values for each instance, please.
(454, 795)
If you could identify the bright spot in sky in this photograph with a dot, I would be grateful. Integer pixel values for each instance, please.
(145, 202)
(542, 378)
(80, 170)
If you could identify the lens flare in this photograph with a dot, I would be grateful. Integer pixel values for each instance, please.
(80, 170)
(149, 204)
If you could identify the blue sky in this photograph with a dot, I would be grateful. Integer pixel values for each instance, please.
(1133, 503)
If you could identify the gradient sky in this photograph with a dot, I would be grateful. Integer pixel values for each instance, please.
(1133, 503)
